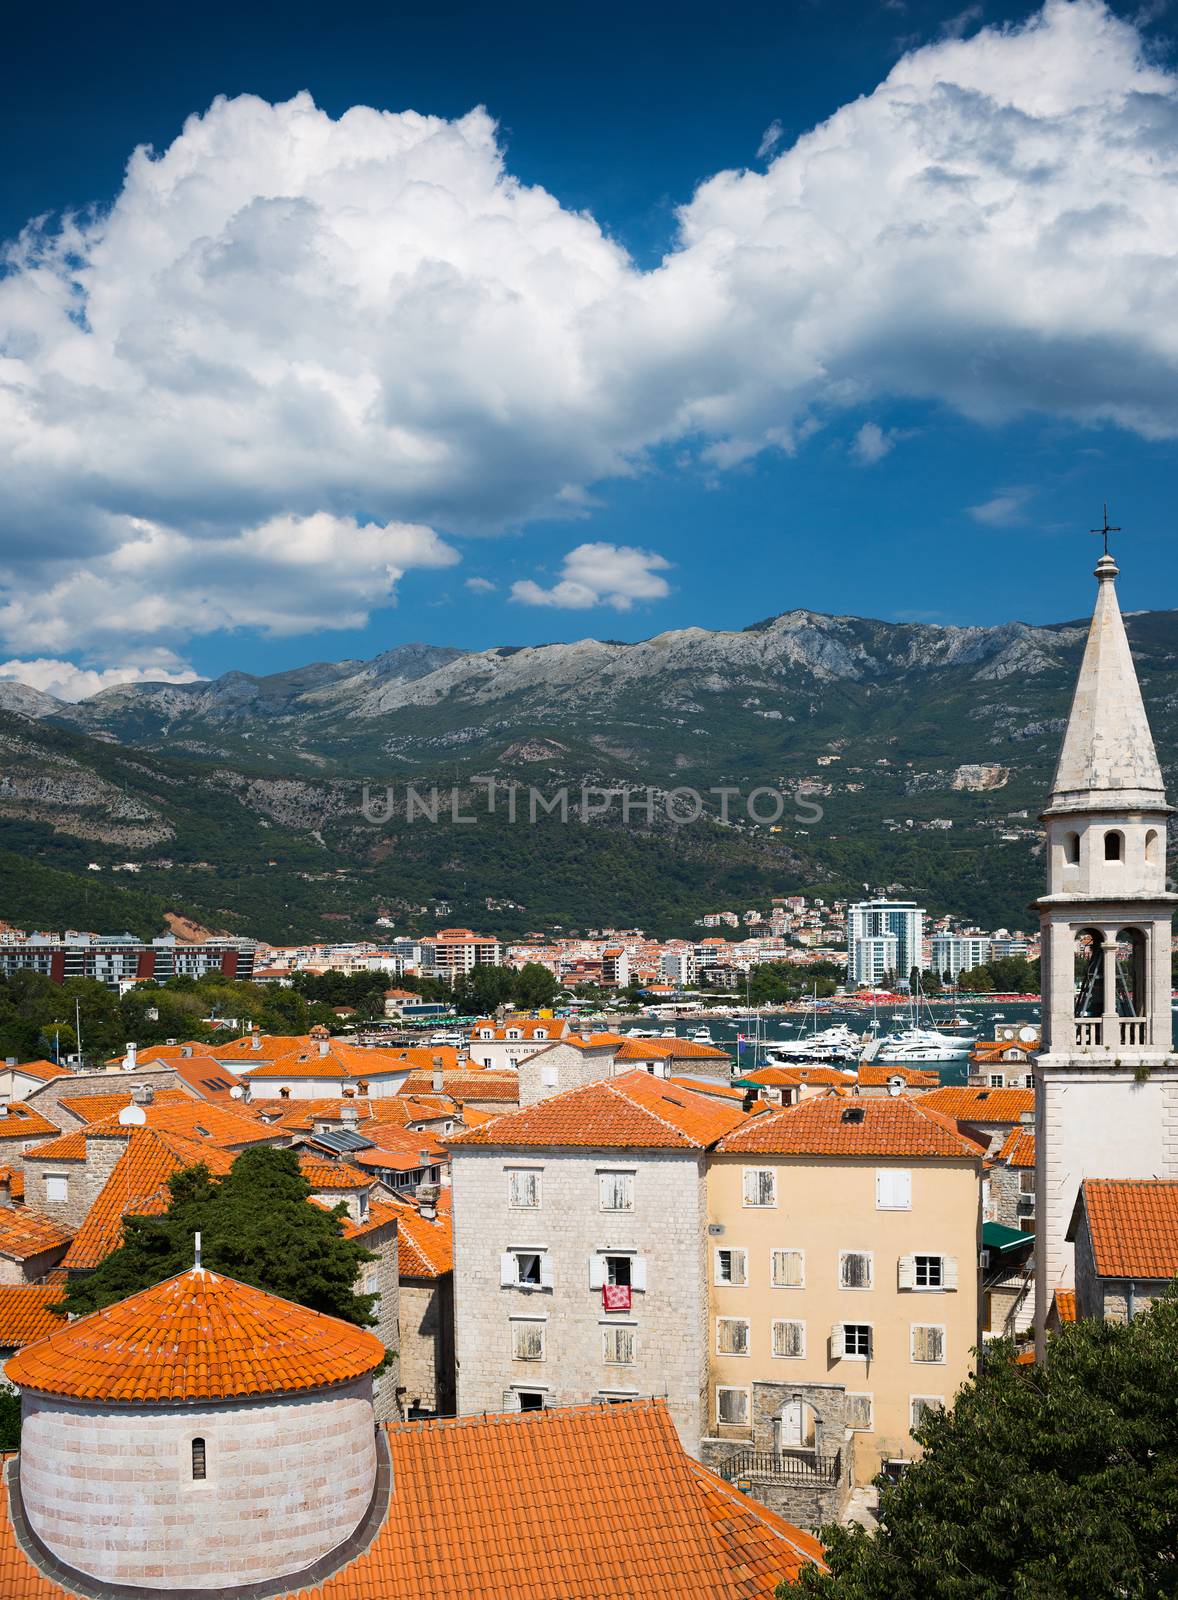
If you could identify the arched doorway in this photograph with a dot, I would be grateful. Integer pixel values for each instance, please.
(793, 1427)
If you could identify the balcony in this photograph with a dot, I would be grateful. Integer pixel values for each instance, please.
(796, 1468)
(1131, 1031)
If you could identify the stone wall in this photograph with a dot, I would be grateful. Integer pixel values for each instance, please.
(80, 1085)
(427, 1345)
(382, 1277)
(85, 1180)
(666, 1229)
(561, 1067)
(32, 1269)
(110, 1491)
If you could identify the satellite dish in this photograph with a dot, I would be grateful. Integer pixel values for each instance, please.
(1028, 1034)
(236, 1092)
(132, 1116)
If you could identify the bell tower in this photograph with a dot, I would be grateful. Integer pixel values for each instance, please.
(1106, 1078)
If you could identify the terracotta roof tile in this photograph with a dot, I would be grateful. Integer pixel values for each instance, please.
(25, 1315)
(46, 1071)
(669, 1050)
(15, 1181)
(324, 1174)
(468, 1083)
(138, 1186)
(866, 1127)
(1134, 1226)
(871, 1076)
(981, 1105)
(25, 1233)
(1018, 1149)
(198, 1336)
(69, 1147)
(633, 1111)
(20, 1121)
(426, 1248)
(98, 1107)
(1065, 1305)
(585, 1503)
(792, 1076)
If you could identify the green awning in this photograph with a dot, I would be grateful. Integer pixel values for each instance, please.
(996, 1237)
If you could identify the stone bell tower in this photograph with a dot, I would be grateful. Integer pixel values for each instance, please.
(1106, 1079)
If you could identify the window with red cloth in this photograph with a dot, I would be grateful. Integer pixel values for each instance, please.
(615, 1296)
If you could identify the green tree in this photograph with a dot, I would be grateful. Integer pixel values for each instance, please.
(9, 1419)
(1043, 1482)
(535, 986)
(256, 1225)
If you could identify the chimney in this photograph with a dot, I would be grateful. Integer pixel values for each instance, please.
(427, 1201)
(131, 1059)
(255, 1040)
(324, 1046)
(143, 1094)
(749, 1101)
(10, 1061)
(186, 1050)
(439, 1082)
(349, 1115)
(284, 1094)
(362, 1086)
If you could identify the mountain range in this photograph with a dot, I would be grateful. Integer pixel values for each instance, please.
(239, 799)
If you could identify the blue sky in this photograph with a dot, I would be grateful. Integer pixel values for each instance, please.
(892, 370)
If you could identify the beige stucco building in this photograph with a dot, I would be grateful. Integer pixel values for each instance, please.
(842, 1271)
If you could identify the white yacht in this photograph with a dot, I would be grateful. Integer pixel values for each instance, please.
(836, 1046)
(702, 1036)
(920, 1046)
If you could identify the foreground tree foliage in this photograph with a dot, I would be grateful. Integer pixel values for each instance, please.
(256, 1225)
(1043, 1483)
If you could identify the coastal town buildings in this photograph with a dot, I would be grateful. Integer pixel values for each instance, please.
(884, 936)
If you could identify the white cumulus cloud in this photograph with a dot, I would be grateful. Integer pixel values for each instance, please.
(65, 681)
(286, 317)
(600, 574)
(872, 444)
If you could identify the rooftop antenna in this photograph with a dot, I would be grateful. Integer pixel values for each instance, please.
(1106, 530)
(196, 1264)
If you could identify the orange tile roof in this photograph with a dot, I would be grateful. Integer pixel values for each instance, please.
(380, 1214)
(718, 1091)
(138, 1186)
(98, 1107)
(585, 1503)
(25, 1315)
(1018, 1149)
(866, 1127)
(201, 1120)
(300, 1116)
(67, 1147)
(323, 1174)
(635, 1110)
(198, 1336)
(981, 1105)
(401, 1150)
(25, 1233)
(46, 1071)
(15, 1181)
(792, 1076)
(340, 1062)
(207, 1077)
(878, 1077)
(20, 1121)
(471, 1083)
(1133, 1223)
(425, 1248)
(669, 1050)
(1065, 1305)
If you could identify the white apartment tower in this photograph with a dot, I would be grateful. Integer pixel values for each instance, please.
(872, 926)
(1106, 1080)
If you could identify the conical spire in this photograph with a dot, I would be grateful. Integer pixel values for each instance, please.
(1108, 760)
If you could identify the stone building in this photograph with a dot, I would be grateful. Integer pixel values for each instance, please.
(199, 1435)
(1125, 1233)
(1106, 1080)
(843, 1251)
(426, 1265)
(580, 1234)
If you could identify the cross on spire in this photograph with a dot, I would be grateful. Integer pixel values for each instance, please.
(1106, 530)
